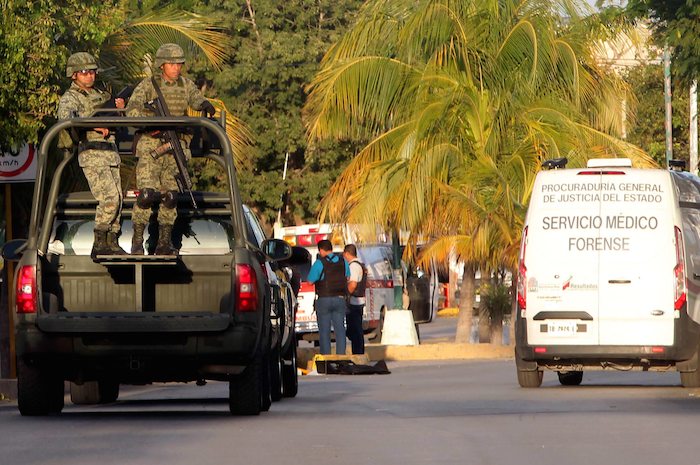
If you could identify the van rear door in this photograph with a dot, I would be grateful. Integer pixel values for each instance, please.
(637, 258)
(562, 284)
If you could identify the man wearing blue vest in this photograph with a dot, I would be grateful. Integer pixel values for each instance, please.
(330, 274)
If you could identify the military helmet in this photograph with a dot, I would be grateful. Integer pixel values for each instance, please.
(169, 53)
(79, 61)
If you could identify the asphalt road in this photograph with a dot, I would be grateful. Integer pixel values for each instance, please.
(422, 413)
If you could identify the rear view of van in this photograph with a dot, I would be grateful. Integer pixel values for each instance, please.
(609, 272)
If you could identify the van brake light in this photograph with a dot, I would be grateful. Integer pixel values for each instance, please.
(598, 172)
(679, 272)
(246, 288)
(522, 273)
(26, 290)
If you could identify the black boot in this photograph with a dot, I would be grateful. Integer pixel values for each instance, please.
(165, 241)
(137, 239)
(113, 244)
(99, 246)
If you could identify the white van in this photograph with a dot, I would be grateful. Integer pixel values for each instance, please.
(609, 273)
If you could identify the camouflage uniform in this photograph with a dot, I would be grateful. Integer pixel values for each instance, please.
(98, 156)
(155, 176)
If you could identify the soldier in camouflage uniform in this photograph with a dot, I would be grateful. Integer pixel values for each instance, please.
(98, 156)
(156, 168)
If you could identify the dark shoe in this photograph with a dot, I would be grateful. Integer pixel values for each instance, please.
(137, 239)
(113, 244)
(165, 241)
(99, 246)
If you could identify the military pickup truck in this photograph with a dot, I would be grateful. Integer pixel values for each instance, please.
(212, 312)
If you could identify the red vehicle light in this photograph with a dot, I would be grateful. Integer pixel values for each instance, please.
(246, 288)
(26, 290)
(657, 350)
(540, 350)
(320, 237)
(305, 240)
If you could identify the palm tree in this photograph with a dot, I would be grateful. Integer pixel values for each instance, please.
(461, 102)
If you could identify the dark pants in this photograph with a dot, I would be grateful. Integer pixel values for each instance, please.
(353, 320)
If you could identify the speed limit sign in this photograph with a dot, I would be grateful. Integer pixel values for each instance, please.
(18, 165)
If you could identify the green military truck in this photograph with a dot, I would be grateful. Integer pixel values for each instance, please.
(209, 313)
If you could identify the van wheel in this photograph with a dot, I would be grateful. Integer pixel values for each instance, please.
(570, 378)
(290, 376)
(690, 379)
(39, 391)
(244, 390)
(530, 379)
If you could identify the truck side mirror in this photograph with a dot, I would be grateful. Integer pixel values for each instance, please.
(276, 249)
(12, 250)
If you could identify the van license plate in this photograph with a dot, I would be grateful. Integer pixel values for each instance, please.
(561, 328)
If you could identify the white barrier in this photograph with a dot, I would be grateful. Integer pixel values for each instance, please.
(399, 328)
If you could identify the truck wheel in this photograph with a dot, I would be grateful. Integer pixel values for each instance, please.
(570, 378)
(275, 375)
(109, 391)
(530, 379)
(39, 391)
(290, 376)
(244, 390)
(87, 393)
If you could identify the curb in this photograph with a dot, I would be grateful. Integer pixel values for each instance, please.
(436, 351)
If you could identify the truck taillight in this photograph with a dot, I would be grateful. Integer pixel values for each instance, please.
(522, 273)
(679, 272)
(26, 290)
(246, 288)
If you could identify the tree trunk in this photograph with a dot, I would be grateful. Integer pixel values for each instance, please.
(466, 304)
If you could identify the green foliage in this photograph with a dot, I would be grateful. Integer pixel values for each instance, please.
(496, 300)
(647, 130)
(274, 56)
(36, 38)
(676, 23)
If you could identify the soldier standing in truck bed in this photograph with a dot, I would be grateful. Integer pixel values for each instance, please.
(97, 151)
(156, 168)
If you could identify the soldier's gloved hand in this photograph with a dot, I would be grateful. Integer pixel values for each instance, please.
(208, 108)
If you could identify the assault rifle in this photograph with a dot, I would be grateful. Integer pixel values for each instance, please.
(169, 136)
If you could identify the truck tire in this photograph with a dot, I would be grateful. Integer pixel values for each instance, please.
(275, 375)
(109, 391)
(570, 378)
(290, 376)
(530, 379)
(244, 390)
(39, 391)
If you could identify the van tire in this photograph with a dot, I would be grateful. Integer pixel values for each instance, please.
(570, 378)
(39, 391)
(530, 379)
